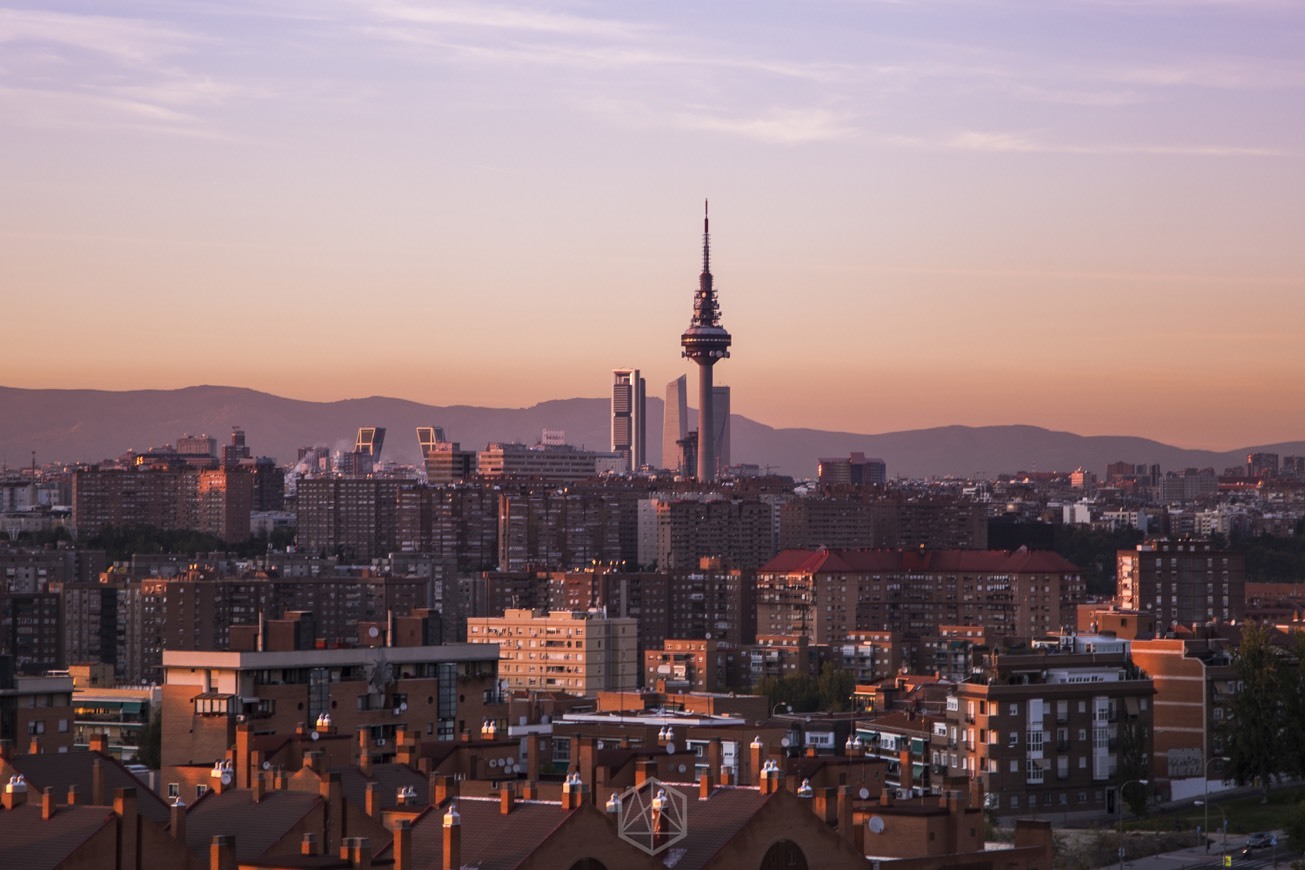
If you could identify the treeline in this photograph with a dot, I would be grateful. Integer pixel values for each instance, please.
(831, 691)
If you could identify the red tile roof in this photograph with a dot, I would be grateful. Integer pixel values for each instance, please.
(28, 842)
(58, 770)
(256, 826)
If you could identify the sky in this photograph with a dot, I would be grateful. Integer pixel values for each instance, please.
(1082, 214)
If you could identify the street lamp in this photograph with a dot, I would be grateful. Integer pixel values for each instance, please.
(1120, 808)
(1207, 795)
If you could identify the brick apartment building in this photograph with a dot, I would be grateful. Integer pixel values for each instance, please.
(1182, 582)
(827, 594)
(568, 651)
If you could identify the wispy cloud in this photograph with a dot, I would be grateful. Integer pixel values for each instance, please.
(783, 126)
(1012, 142)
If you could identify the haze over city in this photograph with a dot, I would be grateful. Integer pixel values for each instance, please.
(1079, 215)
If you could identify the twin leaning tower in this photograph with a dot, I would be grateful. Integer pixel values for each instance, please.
(705, 342)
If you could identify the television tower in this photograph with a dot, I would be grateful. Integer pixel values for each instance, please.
(705, 342)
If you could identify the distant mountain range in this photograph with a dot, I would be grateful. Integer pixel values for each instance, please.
(90, 425)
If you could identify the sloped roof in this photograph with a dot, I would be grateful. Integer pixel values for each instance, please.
(490, 840)
(388, 777)
(256, 826)
(58, 770)
(32, 843)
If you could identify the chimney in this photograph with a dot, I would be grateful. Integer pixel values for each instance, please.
(530, 791)
(772, 778)
(756, 759)
(34, 746)
(257, 786)
(222, 776)
(315, 761)
(643, 769)
(177, 821)
(73, 796)
(726, 775)
(308, 845)
(573, 792)
(97, 784)
(99, 742)
(452, 839)
(907, 776)
(358, 852)
(506, 799)
(532, 757)
(715, 755)
(15, 792)
(824, 803)
(222, 852)
(6, 749)
(846, 829)
(589, 761)
(47, 803)
(365, 751)
(332, 792)
(443, 788)
(125, 808)
(372, 800)
(705, 786)
(243, 760)
(402, 848)
(886, 797)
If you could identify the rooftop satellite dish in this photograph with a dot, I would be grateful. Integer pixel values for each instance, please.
(600, 744)
(876, 825)
(784, 742)
(267, 765)
(373, 632)
(313, 735)
(670, 748)
(226, 779)
(864, 793)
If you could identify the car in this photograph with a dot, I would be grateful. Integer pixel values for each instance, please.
(1261, 840)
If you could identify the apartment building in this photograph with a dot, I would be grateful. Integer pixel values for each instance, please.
(567, 651)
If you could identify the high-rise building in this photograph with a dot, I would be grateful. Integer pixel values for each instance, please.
(629, 421)
(1182, 582)
(720, 426)
(566, 651)
(675, 424)
(705, 343)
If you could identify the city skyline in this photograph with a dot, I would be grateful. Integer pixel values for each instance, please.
(1079, 217)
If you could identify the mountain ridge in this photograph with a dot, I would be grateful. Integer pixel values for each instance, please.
(70, 425)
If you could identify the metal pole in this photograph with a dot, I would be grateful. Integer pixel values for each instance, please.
(1120, 809)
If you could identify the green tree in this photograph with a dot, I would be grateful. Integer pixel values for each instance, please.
(1293, 710)
(1295, 827)
(1133, 763)
(1253, 731)
(150, 745)
(836, 686)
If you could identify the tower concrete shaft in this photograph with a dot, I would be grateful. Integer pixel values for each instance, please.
(705, 343)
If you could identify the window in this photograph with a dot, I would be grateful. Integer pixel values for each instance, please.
(200, 790)
(174, 789)
(63, 726)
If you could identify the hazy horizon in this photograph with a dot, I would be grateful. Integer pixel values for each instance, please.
(1081, 216)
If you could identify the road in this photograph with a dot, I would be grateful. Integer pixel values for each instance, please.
(1198, 859)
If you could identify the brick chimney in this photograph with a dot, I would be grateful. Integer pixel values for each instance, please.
(846, 829)
(74, 797)
(532, 757)
(222, 852)
(705, 786)
(907, 776)
(125, 808)
(824, 803)
(99, 742)
(47, 803)
(177, 821)
(452, 839)
(365, 751)
(573, 792)
(402, 849)
(97, 784)
(358, 852)
(506, 799)
(332, 793)
(643, 769)
(244, 763)
(772, 778)
(372, 800)
(308, 845)
(34, 746)
(15, 792)
(756, 759)
(257, 786)
(442, 788)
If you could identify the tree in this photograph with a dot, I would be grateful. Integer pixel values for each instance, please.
(1133, 763)
(1254, 729)
(1295, 827)
(149, 750)
(836, 686)
(1293, 711)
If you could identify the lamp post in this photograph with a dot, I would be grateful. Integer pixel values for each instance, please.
(1121, 816)
(1207, 795)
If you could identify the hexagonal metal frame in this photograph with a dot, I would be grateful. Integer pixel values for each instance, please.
(642, 826)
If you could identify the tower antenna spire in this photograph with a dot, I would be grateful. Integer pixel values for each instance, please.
(706, 239)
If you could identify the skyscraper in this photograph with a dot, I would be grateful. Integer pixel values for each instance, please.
(720, 407)
(675, 423)
(705, 343)
(629, 424)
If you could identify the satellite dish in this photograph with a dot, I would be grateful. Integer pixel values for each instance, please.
(314, 735)
(267, 765)
(670, 748)
(403, 708)
(600, 744)
(864, 793)
(682, 768)
(493, 762)
(784, 742)
(226, 779)
(876, 825)
(373, 632)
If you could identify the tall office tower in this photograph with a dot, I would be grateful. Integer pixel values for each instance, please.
(428, 437)
(705, 343)
(235, 451)
(720, 408)
(675, 423)
(629, 423)
(370, 440)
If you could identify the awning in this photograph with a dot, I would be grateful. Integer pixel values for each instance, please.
(867, 736)
(917, 745)
(1132, 706)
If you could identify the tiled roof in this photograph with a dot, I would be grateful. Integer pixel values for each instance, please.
(58, 770)
(714, 822)
(256, 826)
(389, 777)
(824, 561)
(490, 841)
(28, 842)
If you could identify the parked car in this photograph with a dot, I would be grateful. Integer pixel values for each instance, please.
(1261, 840)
